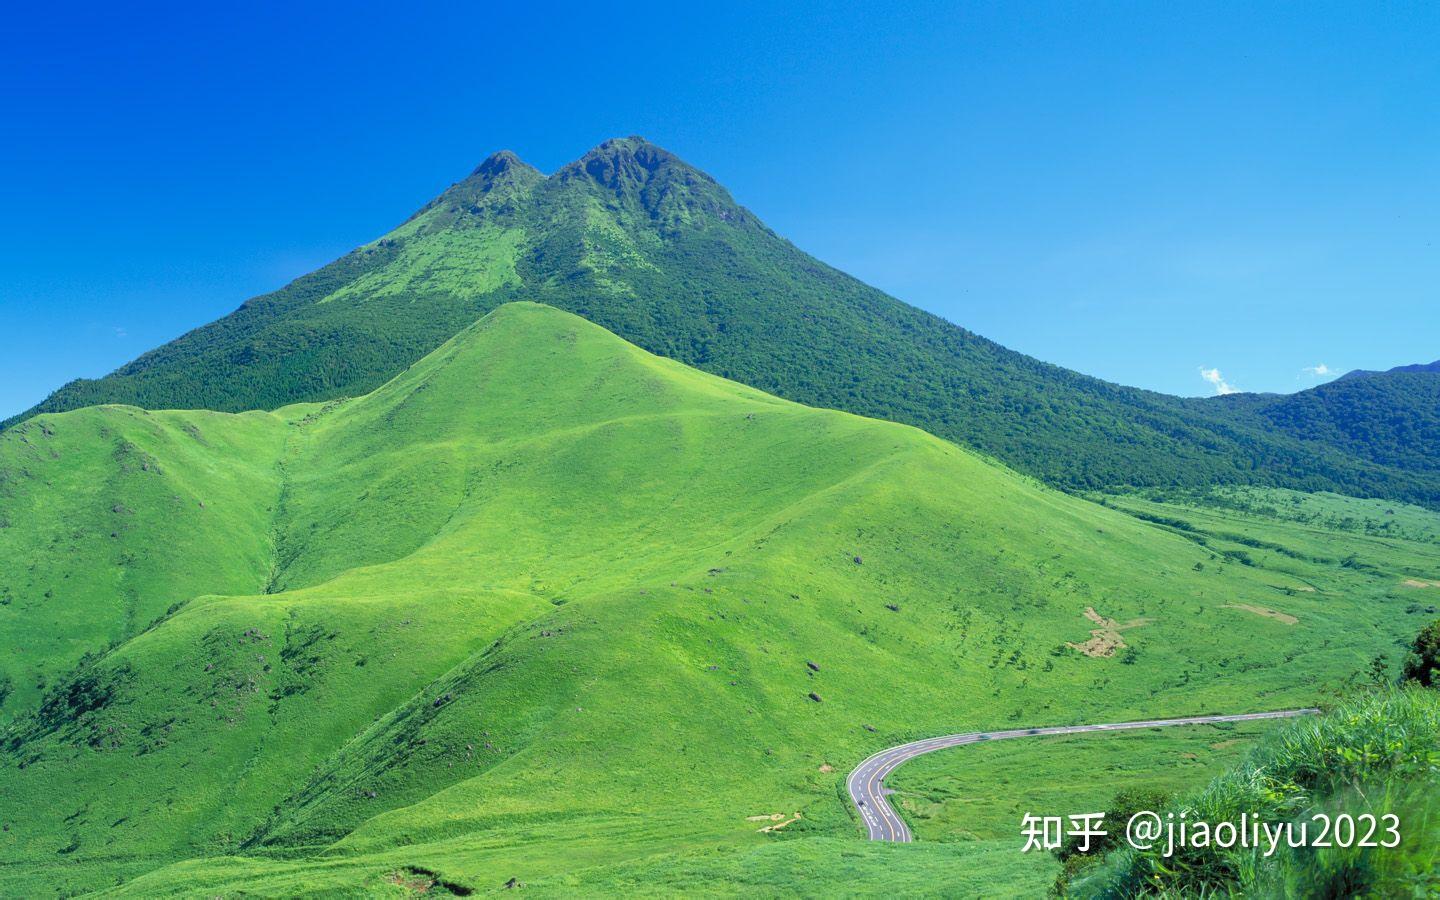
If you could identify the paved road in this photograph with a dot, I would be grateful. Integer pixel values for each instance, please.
(867, 783)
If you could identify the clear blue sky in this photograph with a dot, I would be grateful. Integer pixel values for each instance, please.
(1135, 191)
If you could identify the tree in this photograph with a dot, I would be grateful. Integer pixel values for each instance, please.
(1423, 664)
(1126, 803)
(1380, 670)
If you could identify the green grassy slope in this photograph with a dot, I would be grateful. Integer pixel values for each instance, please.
(109, 516)
(542, 607)
(1374, 754)
(1315, 545)
(982, 793)
(656, 251)
(1325, 543)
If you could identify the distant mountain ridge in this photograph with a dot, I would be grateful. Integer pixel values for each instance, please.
(1389, 418)
(1416, 367)
(634, 239)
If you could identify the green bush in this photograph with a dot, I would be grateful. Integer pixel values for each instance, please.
(1424, 661)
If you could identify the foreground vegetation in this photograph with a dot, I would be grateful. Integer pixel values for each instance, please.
(548, 608)
(1377, 754)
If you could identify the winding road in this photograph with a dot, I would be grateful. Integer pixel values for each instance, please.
(867, 783)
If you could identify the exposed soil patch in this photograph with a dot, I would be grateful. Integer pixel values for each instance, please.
(779, 825)
(1417, 583)
(1105, 640)
(410, 881)
(423, 881)
(1262, 611)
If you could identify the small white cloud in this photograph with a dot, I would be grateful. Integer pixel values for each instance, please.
(1222, 387)
(120, 332)
(1319, 371)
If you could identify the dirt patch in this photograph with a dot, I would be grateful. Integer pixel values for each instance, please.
(411, 881)
(1224, 745)
(777, 821)
(1105, 640)
(1417, 583)
(827, 768)
(1101, 643)
(419, 880)
(779, 825)
(1262, 611)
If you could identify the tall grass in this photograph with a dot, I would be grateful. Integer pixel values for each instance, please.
(1377, 753)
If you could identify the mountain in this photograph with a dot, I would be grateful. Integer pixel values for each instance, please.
(547, 607)
(1389, 419)
(1416, 367)
(639, 242)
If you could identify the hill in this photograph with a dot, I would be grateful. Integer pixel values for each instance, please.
(548, 607)
(634, 239)
(1389, 419)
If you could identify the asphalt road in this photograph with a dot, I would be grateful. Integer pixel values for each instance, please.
(867, 783)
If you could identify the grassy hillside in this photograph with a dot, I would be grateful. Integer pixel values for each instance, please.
(110, 516)
(1314, 545)
(981, 793)
(1328, 544)
(544, 606)
(656, 251)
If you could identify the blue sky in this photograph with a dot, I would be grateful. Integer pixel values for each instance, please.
(1137, 191)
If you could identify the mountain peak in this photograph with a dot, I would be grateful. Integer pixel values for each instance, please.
(501, 163)
(632, 159)
(632, 172)
(633, 146)
(494, 183)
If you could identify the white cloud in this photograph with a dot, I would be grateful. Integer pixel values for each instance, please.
(120, 332)
(1222, 387)
(1319, 371)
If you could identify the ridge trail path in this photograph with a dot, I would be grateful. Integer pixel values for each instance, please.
(867, 783)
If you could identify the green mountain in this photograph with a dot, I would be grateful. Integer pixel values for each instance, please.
(547, 607)
(637, 241)
(1414, 367)
(1389, 418)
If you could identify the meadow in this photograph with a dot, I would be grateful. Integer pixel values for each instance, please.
(548, 608)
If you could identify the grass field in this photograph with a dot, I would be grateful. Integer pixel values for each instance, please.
(545, 607)
(981, 793)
